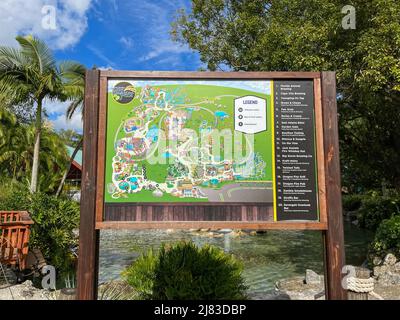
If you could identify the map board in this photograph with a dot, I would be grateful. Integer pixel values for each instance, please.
(214, 141)
(214, 150)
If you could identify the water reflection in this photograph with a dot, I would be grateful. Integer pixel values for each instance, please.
(267, 257)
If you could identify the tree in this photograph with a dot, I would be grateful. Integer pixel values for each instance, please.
(29, 75)
(307, 35)
(16, 152)
(75, 88)
(70, 137)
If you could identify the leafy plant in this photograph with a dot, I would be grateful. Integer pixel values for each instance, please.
(141, 274)
(183, 271)
(55, 219)
(387, 238)
(375, 209)
(352, 202)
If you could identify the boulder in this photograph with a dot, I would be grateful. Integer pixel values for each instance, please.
(397, 267)
(390, 260)
(296, 289)
(376, 261)
(25, 291)
(312, 277)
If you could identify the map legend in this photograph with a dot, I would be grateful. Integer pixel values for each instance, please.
(250, 114)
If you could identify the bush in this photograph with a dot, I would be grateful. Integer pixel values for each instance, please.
(55, 219)
(374, 209)
(387, 238)
(185, 272)
(352, 202)
(140, 275)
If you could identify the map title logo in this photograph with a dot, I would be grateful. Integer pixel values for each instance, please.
(123, 92)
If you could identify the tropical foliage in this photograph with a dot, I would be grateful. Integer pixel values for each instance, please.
(16, 152)
(387, 238)
(55, 219)
(30, 75)
(183, 271)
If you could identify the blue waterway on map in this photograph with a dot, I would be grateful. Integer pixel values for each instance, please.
(152, 133)
(221, 114)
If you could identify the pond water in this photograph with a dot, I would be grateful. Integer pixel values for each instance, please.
(267, 257)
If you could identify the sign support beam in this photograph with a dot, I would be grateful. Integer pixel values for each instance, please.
(333, 238)
(88, 235)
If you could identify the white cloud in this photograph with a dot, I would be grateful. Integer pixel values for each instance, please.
(157, 15)
(162, 46)
(126, 41)
(57, 110)
(55, 107)
(101, 55)
(75, 123)
(25, 17)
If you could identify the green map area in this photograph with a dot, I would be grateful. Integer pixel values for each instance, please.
(175, 141)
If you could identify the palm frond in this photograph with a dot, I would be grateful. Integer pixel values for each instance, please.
(75, 105)
(38, 52)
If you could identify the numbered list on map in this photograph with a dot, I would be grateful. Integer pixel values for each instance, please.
(295, 155)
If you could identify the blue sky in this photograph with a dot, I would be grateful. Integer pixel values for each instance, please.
(132, 35)
(117, 34)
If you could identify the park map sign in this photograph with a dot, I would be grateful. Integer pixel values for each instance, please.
(213, 141)
(239, 150)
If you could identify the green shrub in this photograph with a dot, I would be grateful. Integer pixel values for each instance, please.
(185, 272)
(387, 238)
(352, 202)
(55, 219)
(375, 209)
(140, 275)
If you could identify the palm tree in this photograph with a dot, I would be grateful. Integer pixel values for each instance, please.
(30, 75)
(16, 152)
(74, 87)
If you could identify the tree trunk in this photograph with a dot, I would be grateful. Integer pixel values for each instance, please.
(36, 150)
(60, 187)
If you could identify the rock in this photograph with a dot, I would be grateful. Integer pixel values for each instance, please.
(225, 230)
(205, 230)
(397, 267)
(312, 277)
(267, 296)
(390, 260)
(237, 233)
(376, 261)
(296, 289)
(170, 230)
(388, 279)
(24, 291)
(388, 292)
(253, 233)
(380, 270)
(194, 230)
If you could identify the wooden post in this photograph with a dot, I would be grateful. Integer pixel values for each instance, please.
(88, 235)
(361, 273)
(333, 236)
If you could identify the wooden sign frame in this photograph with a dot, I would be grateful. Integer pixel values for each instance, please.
(92, 196)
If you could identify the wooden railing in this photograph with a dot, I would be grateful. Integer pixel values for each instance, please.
(14, 237)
